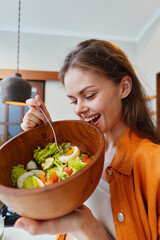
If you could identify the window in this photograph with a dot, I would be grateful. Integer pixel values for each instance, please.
(11, 116)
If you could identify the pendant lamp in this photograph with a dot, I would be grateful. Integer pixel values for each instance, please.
(15, 90)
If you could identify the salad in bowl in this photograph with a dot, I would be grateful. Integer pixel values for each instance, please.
(49, 166)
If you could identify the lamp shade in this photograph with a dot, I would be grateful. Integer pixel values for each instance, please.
(15, 90)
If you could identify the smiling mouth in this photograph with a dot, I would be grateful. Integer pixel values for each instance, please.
(94, 119)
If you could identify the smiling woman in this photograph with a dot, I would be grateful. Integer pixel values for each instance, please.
(105, 91)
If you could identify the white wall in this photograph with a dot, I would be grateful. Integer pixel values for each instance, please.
(43, 52)
(148, 55)
(148, 58)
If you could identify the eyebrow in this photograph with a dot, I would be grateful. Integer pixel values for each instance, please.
(80, 92)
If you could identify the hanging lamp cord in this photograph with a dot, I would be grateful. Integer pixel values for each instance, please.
(18, 42)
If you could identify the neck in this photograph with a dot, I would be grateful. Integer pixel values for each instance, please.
(113, 137)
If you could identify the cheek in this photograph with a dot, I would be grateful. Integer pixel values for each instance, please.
(111, 106)
(103, 104)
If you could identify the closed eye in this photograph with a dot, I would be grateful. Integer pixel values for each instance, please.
(90, 96)
(74, 102)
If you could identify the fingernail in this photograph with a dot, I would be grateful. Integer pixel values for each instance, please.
(20, 225)
(38, 103)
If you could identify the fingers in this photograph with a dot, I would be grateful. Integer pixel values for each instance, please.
(34, 227)
(31, 102)
(68, 223)
(32, 119)
(34, 116)
(37, 102)
(80, 223)
(37, 227)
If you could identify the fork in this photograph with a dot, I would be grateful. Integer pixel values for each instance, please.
(52, 130)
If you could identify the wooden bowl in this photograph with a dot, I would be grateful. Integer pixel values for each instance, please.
(62, 197)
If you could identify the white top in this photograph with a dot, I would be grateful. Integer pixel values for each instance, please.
(99, 202)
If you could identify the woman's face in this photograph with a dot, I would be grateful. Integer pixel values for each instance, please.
(95, 98)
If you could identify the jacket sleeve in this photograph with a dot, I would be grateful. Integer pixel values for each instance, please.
(147, 188)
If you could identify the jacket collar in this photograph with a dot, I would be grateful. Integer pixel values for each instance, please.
(123, 158)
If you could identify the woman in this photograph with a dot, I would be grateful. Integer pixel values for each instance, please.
(105, 91)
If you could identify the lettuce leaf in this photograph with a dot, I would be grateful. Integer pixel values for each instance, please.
(76, 164)
(58, 169)
(50, 150)
(16, 172)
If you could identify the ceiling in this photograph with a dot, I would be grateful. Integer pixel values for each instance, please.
(110, 19)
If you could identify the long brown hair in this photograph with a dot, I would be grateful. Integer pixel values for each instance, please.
(110, 61)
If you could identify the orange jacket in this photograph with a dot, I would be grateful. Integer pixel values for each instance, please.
(134, 177)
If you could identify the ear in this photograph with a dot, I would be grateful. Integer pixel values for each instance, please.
(126, 86)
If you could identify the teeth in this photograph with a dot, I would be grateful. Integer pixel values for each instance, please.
(91, 118)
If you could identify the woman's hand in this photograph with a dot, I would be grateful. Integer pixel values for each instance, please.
(80, 223)
(34, 116)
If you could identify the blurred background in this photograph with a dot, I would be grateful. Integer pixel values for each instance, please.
(50, 28)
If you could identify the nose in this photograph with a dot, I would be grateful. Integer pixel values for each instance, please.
(80, 108)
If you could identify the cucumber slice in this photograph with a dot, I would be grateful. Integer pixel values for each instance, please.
(47, 164)
(32, 182)
(22, 178)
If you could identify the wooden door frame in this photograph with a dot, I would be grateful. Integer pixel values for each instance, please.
(158, 99)
(31, 75)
